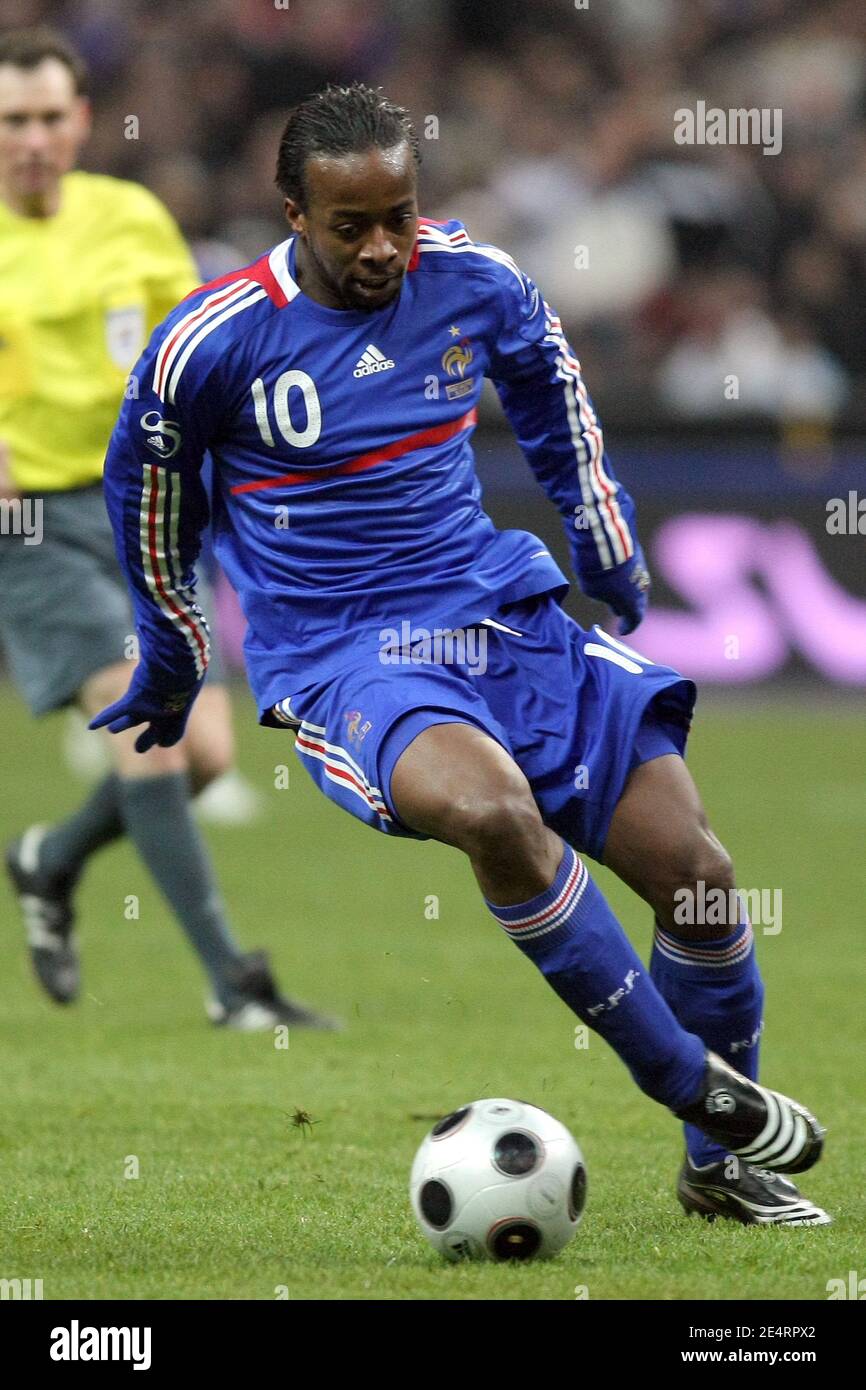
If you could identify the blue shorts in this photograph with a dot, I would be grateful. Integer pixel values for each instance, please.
(577, 710)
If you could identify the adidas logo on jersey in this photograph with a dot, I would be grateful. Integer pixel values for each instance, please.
(371, 361)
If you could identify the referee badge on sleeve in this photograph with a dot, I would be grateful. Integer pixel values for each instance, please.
(124, 334)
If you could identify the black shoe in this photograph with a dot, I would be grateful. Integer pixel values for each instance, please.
(258, 1004)
(757, 1125)
(46, 908)
(754, 1197)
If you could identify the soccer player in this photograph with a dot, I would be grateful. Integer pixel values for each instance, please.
(434, 683)
(88, 265)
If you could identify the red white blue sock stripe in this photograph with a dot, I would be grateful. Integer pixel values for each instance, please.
(713, 955)
(551, 909)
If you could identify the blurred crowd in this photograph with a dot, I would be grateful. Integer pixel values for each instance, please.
(698, 282)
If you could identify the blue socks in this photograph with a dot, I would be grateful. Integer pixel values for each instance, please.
(570, 933)
(697, 995)
(715, 989)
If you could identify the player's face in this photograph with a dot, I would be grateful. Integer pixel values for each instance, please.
(43, 123)
(359, 227)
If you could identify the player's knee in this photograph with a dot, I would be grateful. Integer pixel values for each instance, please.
(104, 687)
(209, 763)
(714, 865)
(156, 762)
(502, 824)
(209, 741)
(704, 869)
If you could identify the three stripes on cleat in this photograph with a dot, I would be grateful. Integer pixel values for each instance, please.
(785, 1136)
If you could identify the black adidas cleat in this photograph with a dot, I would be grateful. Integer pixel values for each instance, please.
(258, 1004)
(739, 1191)
(46, 909)
(758, 1126)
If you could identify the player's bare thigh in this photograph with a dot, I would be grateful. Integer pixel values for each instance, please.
(659, 842)
(209, 739)
(458, 785)
(205, 752)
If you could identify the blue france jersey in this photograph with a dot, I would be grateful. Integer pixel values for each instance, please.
(345, 500)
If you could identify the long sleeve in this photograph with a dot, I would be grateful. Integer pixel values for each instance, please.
(538, 379)
(158, 508)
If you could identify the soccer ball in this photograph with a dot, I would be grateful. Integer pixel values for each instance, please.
(498, 1179)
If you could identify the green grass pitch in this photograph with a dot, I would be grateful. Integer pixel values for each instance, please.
(234, 1202)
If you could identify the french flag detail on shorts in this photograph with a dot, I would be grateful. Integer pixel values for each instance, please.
(282, 711)
(551, 909)
(339, 766)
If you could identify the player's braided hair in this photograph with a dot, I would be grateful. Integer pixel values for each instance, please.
(338, 121)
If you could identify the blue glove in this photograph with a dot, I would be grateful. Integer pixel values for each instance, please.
(624, 588)
(165, 713)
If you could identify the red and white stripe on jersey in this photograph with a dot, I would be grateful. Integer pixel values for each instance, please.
(268, 277)
(610, 530)
(432, 237)
(340, 767)
(182, 340)
(275, 266)
(159, 517)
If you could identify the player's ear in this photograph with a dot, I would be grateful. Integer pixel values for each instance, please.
(295, 216)
(84, 118)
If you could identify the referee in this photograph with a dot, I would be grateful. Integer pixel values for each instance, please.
(88, 266)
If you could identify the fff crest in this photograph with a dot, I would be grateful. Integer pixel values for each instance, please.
(455, 360)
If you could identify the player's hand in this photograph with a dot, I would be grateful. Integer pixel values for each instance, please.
(164, 714)
(625, 589)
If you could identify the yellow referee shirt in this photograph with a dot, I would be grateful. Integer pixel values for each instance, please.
(80, 293)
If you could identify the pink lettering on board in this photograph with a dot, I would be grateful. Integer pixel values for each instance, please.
(758, 592)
